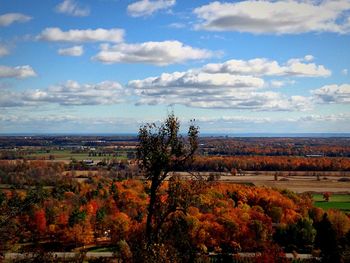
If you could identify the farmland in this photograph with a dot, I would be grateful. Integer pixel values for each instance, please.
(67, 155)
(336, 201)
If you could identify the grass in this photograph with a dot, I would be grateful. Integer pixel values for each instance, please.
(68, 155)
(336, 201)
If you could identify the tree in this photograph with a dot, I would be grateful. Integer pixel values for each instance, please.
(326, 240)
(326, 196)
(162, 150)
(40, 221)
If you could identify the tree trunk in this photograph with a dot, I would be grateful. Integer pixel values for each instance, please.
(150, 215)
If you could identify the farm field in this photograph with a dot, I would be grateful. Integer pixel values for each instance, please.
(67, 155)
(336, 201)
(298, 184)
(302, 185)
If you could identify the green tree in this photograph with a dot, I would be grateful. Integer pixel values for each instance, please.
(297, 236)
(162, 150)
(326, 240)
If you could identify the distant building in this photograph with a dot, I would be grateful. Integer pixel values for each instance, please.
(314, 155)
(88, 162)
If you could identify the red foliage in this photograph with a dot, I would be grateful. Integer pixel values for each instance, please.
(39, 221)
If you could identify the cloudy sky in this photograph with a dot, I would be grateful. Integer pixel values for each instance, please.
(107, 66)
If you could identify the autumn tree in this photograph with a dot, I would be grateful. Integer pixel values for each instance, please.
(162, 150)
(326, 196)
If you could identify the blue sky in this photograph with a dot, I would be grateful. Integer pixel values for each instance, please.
(108, 66)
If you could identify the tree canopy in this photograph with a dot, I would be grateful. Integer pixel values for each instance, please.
(162, 150)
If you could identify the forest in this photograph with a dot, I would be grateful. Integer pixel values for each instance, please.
(215, 217)
(139, 210)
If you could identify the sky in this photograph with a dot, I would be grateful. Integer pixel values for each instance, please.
(109, 66)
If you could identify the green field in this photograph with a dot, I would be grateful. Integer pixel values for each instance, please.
(336, 201)
(68, 155)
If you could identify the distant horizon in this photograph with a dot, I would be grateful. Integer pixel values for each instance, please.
(248, 134)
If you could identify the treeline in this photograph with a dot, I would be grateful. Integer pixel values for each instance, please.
(269, 163)
(331, 147)
(19, 173)
(218, 218)
(65, 140)
(23, 173)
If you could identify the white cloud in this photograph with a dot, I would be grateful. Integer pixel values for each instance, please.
(228, 121)
(277, 83)
(157, 53)
(12, 99)
(177, 25)
(18, 72)
(4, 50)
(10, 18)
(333, 94)
(74, 51)
(233, 119)
(309, 58)
(55, 34)
(37, 119)
(205, 81)
(235, 84)
(63, 122)
(275, 17)
(219, 90)
(344, 71)
(69, 93)
(324, 118)
(72, 8)
(265, 67)
(148, 7)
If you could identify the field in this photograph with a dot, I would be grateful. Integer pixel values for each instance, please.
(299, 184)
(67, 155)
(337, 201)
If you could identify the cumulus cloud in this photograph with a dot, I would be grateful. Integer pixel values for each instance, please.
(59, 118)
(333, 94)
(25, 118)
(63, 122)
(205, 81)
(219, 90)
(72, 8)
(55, 34)
(74, 51)
(309, 58)
(148, 7)
(323, 118)
(280, 83)
(234, 84)
(261, 120)
(69, 93)
(4, 50)
(10, 18)
(233, 119)
(265, 67)
(19, 72)
(157, 53)
(275, 17)
(343, 72)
